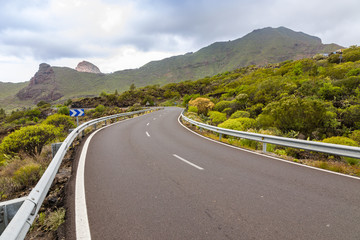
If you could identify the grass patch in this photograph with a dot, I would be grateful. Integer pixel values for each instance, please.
(50, 221)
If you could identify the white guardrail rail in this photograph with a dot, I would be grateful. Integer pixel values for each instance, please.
(335, 149)
(16, 216)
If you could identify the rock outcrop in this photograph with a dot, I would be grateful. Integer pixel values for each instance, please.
(85, 66)
(42, 86)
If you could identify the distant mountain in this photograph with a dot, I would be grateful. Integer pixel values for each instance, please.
(85, 66)
(260, 47)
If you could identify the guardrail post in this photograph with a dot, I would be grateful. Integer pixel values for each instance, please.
(8, 210)
(220, 135)
(95, 126)
(82, 133)
(105, 122)
(3, 222)
(54, 148)
(264, 147)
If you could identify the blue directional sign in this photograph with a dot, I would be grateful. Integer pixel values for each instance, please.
(77, 112)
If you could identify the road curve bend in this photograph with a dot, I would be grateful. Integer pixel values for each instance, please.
(150, 178)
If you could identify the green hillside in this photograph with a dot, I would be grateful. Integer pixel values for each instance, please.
(313, 98)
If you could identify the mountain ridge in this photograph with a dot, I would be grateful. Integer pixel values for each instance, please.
(259, 47)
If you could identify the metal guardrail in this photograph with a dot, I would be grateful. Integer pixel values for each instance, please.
(30, 205)
(335, 149)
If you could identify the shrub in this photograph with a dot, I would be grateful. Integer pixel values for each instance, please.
(240, 124)
(42, 103)
(217, 117)
(356, 136)
(64, 110)
(30, 139)
(193, 109)
(340, 140)
(31, 114)
(203, 105)
(54, 220)
(240, 114)
(231, 124)
(60, 120)
(304, 115)
(28, 174)
(228, 111)
(220, 106)
(351, 116)
(100, 108)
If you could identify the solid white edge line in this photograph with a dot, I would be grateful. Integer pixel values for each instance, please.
(188, 162)
(147, 134)
(147, 124)
(82, 227)
(264, 155)
(81, 217)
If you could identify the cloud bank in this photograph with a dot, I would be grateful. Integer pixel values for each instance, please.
(116, 35)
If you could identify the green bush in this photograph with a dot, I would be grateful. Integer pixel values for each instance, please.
(304, 115)
(28, 174)
(55, 219)
(351, 116)
(231, 124)
(64, 110)
(59, 120)
(240, 124)
(30, 139)
(220, 106)
(100, 108)
(31, 114)
(240, 114)
(341, 140)
(193, 109)
(356, 136)
(217, 117)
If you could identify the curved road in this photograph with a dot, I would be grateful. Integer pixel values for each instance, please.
(150, 178)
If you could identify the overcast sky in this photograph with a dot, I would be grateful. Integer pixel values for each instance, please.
(123, 34)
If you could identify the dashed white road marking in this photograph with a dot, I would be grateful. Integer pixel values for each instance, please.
(147, 124)
(188, 162)
(147, 134)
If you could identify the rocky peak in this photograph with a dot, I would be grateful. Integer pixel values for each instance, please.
(85, 66)
(45, 74)
(42, 86)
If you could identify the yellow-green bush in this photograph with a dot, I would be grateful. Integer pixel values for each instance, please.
(60, 120)
(220, 106)
(341, 140)
(217, 117)
(355, 136)
(240, 114)
(193, 109)
(28, 174)
(30, 139)
(240, 124)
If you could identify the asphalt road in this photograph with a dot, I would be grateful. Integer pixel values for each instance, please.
(150, 178)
